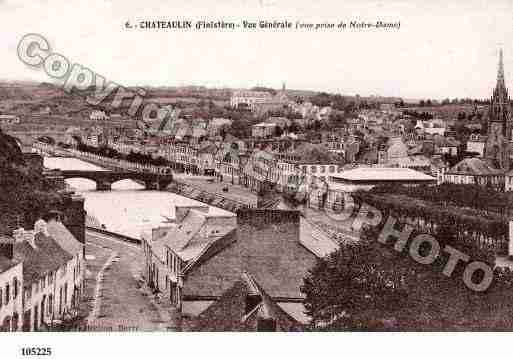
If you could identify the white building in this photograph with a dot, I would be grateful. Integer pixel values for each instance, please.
(11, 284)
(263, 130)
(476, 144)
(249, 98)
(98, 115)
(53, 267)
(169, 249)
(365, 178)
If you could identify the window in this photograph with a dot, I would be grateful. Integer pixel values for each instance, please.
(323, 169)
(7, 293)
(60, 300)
(15, 288)
(313, 169)
(332, 169)
(50, 304)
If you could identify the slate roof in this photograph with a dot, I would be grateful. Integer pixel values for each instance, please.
(315, 239)
(189, 238)
(47, 256)
(409, 161)
(266, 244)
(6, 264)
(241, 307)
(382, 174)
(64, 238)
(474, 167)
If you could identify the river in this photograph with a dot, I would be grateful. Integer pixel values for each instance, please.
(126, 209)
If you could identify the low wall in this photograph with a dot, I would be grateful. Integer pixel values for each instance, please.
(116, 235)
(212, 199)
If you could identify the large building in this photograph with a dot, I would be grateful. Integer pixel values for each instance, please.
(260, 101)
(475, 171)
(498, 144)
(365, 178)
(45, 290)
(249, 99)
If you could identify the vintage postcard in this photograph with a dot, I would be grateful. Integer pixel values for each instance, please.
(255, 166)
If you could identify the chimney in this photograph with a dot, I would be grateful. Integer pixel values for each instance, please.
(7, 247)
(30, 237)
(41, 227)
(21, 235)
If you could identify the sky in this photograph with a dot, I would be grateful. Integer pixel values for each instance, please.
(442, 49)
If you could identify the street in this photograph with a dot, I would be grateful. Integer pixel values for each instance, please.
(116, 297)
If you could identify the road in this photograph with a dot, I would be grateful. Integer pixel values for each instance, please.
(116, 297)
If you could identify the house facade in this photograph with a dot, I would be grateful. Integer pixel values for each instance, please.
(11, 285)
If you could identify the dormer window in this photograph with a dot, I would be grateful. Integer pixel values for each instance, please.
(251, 302)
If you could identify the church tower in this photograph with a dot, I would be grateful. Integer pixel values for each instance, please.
(497, 148)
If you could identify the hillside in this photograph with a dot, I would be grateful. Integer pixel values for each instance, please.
(25, 195)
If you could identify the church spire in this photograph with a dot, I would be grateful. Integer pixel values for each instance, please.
(500, 72)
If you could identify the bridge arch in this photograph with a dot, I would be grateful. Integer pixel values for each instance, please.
(88, 181)
(105, 179)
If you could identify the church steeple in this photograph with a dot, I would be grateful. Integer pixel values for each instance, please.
(499, 105)
(500, 72)
(498, 147)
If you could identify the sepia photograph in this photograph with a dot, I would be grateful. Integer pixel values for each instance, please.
(176, 167)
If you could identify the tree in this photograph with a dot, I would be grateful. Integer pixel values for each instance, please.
(25, 193)
(341, 289)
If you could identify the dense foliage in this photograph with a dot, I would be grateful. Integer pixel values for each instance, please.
(463, 219)
(132, 156)
(462, 195)
(25, 194)
(371, 286)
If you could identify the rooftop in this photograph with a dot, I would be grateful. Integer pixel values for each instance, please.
(382, 174)
(64, 238)
(242, 307)
(266, 244)
(6, 264)
(474, 166)
(44, 257)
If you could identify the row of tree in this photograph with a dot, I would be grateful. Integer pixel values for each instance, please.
(132, 156)
(473, 196)
(372, 286)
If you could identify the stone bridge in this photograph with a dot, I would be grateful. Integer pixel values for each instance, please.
(105, 179)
